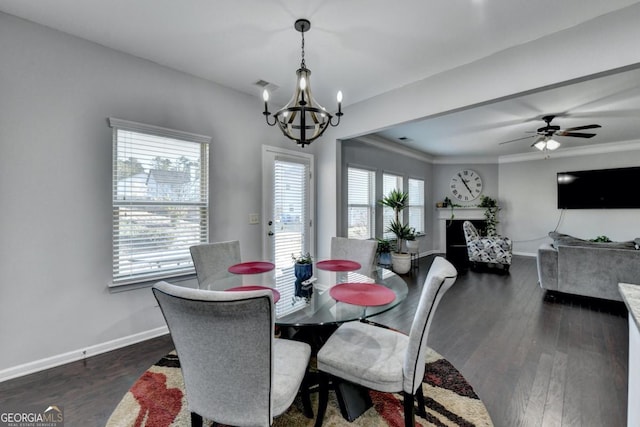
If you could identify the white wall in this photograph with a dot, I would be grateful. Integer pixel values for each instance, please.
(56, 93)
(528, 195)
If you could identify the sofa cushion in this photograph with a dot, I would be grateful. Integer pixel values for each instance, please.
(560, 239)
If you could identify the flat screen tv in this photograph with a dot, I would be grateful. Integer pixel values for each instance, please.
(599, 189)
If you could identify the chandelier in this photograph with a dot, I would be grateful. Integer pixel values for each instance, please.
(302, 119)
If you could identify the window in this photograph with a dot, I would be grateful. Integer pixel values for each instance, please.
(389, 182)
(416, 204)
(160, 200)
(361, 203)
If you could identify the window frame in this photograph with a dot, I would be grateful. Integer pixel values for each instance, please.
(413, 205)
(160, 267)
(370, 206)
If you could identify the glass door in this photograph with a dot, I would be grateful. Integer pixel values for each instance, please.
(288, 216)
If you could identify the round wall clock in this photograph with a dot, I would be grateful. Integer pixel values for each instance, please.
(466, 185)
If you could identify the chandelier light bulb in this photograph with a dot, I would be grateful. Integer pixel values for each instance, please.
(339, 96)
(265, 95)
(303, 83)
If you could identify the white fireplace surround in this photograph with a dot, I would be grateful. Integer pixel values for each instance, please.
(459, 213)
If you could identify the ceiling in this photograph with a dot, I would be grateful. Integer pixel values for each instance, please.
(364, 48)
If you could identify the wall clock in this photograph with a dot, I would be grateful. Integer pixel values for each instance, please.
(466, 185)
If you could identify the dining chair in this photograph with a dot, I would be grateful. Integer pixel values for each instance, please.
(361, 251)
(212, 260)
(235, 372)
(383, 359)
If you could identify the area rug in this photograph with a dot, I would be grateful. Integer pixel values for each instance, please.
(157, 399)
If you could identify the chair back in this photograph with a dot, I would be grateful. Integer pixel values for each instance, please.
(212, 260)
(470, 231)
(440, 278)
(224, 342)
(361, 251)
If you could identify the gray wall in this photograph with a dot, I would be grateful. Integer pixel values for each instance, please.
(355, 153)
(57, 92)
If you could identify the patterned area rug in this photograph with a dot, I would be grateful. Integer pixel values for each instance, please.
(157, 399)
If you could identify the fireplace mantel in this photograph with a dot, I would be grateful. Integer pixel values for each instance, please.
(459, 213)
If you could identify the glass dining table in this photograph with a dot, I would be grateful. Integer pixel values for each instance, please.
(321, 308)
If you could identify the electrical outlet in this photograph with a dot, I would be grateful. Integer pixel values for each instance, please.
(254, 218)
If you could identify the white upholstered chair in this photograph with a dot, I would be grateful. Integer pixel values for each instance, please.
(383, 359)
(361, 251)
(212, 260)
(235, 372)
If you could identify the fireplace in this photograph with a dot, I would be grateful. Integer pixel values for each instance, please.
(452, 239)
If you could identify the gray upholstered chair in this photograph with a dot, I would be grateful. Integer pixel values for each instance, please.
(383, 359)
(211, 261)
(490, 250)
(235, 372)
(361, 251)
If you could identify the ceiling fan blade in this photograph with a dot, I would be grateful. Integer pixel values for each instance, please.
(582, 127)
(517, 139)
(576, 134)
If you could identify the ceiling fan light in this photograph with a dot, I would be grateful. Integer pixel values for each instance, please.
(552, 144)
(540, 145)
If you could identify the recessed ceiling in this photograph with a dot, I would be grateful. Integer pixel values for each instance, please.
(362, 47)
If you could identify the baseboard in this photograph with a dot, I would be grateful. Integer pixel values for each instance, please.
(529, 254)
(72, 356)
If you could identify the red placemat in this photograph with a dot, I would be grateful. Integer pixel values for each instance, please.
(366, 294)
(276, 294)
(338, 265)
(251, 267)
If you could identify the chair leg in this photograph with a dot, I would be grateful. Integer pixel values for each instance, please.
(409, 412)
(196, 420)
(305, 395)
(323, 398)
(422, 410)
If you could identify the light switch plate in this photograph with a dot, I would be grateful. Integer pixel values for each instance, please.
(254, 218)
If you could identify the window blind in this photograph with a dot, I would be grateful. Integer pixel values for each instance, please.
(416, 204)
(389, 182)
(361, 203)
(160, 200)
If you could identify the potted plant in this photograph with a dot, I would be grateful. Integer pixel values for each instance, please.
(411, 243)
(490, 215)
(398, 200)
(384, 252)
(303, 270)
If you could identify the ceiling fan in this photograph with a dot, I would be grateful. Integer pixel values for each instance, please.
(545, 134)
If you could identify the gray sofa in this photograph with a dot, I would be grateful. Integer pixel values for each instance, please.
(581, 267)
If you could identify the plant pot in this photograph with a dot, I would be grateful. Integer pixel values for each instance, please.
(412, 246)
(303, 272)
(384, 259)
(401, 262)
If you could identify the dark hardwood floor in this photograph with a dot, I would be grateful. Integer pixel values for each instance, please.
(533, 360)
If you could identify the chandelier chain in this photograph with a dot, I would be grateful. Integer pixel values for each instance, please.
(302, 64)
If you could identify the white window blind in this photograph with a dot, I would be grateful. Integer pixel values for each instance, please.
(389, 182)
(416, 204)
(160, 200)
(361, 203)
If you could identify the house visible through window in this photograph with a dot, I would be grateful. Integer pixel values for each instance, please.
(361, 203)
(416, 204)
(160, 200)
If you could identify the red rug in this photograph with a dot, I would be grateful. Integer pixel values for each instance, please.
(157, 400)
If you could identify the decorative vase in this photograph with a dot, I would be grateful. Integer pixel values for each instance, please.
(303, 272)
(401, 262)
